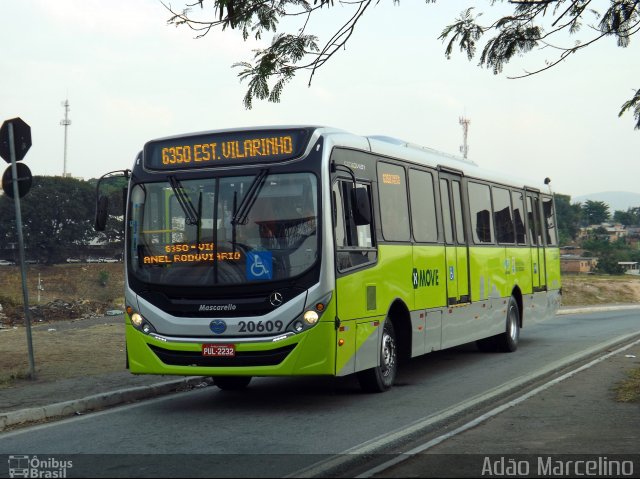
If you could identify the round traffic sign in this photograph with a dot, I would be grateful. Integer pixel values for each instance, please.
(24, 180)
(21, 139)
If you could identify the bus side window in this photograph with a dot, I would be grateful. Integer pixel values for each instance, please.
(338, 216)
(394, 207)
(518, 216)
(483, 226)
(354, 243)
(549, 224)
(423, 206)
(503, 217)
(535, 226)
(446, 211)
(480, 213)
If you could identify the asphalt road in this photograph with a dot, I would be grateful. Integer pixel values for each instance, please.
(304, 426)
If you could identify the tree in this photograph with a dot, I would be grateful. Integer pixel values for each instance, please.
(516, 34)
(594, 212)
(57, 217)
(608, 254)
(631, 217)
(539, 24)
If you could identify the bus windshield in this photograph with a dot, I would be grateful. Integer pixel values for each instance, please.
(225, 230)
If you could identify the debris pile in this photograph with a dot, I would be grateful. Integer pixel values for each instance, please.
(56, 310)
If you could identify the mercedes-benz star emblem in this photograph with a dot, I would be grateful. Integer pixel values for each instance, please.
(275, 299)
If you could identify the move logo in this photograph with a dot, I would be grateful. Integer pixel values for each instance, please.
(425, 277)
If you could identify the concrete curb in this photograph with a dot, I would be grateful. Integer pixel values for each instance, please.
(595, 308)
(96, 402)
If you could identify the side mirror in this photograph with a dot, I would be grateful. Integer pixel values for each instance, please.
(102, 202)
(361, 206)
(102, 213)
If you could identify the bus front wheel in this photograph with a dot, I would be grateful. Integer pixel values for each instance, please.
(232, 383)
(382, 377)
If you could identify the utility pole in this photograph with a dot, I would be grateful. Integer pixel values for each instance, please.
(464, 148)
(65, 122)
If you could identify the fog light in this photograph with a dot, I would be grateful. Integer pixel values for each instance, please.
(136, 319)
(146, 328)
(310, 317)
(298, 326)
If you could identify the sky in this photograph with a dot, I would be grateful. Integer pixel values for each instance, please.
(130, 77)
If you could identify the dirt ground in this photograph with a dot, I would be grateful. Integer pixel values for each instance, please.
(63, 349)
(72, 337)
(592, 289)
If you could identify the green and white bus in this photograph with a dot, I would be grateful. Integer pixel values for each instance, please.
(304, 250)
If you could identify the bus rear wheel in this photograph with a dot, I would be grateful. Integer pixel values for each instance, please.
(508, 341)
(382, 377)
(232, 383)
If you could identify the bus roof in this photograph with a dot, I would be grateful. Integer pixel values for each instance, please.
(389, 147)
(422, 155)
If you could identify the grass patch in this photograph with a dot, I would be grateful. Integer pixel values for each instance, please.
(8, 378)
(629, 390)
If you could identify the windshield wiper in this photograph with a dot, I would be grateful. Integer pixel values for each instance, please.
(240, 215)
(191, 215)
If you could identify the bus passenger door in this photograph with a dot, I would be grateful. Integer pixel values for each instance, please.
(457, 253)
(536, 240)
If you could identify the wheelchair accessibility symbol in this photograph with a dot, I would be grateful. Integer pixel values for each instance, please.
(259, 265)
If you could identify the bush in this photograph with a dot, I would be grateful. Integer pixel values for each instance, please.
(104, 278)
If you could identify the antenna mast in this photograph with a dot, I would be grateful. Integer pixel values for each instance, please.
(65, 122)
(464, 148)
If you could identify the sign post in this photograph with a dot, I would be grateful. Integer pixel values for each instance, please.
(12, 154)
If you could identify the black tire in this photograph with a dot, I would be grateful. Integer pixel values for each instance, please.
(508, 341)
(382, 377)
(232, 383)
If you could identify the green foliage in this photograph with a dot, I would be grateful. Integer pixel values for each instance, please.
(273, 67)
(532, 25)
(57, 216)
(608, 253)
(103, 277)
(594, 212)
(6, 300)
(608, 263)
(632, 104)
(540, 24)
(631, 217)
(275, 61)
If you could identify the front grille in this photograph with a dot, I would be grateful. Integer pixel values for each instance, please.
(242, 358)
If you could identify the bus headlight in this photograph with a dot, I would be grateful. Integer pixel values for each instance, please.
(310, 317)
(140, 323)
(137, 320)
(312, 314)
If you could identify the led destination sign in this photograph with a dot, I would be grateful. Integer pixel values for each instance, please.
(190, 253)
(216, 149)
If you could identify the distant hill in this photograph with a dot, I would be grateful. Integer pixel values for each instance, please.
(617, 200)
